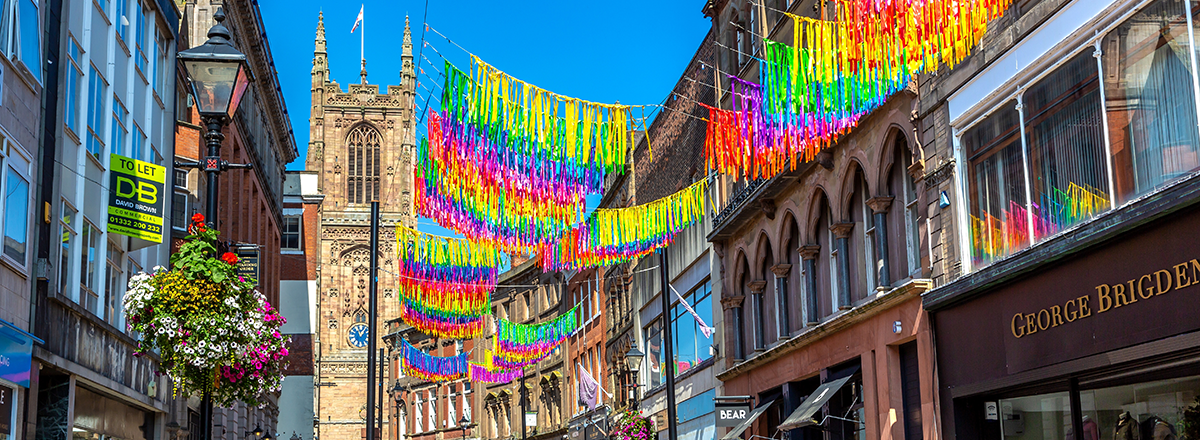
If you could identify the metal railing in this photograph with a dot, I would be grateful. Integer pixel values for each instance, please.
(738, 199)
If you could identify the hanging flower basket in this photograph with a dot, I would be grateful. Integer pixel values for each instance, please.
(632, 425)
(212, 329)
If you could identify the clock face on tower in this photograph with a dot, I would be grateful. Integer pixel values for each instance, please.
(357, 337)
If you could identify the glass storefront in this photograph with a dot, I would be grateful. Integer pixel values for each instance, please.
(1154, 410)
(101, 418)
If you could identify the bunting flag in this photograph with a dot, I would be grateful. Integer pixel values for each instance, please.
(518, 345)
(481, 373)
(419, 364)
(833, 74)
(444, 283)
(612, 236)
(490, 194)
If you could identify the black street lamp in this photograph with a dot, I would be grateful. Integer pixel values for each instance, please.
(219, 76)
(464, 424)
(633, 360)
(257, 432)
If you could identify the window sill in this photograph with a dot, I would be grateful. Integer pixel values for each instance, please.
(71, 135)
(102, 12)
(19, 269)
(291, 252)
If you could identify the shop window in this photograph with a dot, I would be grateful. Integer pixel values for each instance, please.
(654, 354)
(1041, 417)
(20, 34)
(14, 184)
(88, 273)
(1065, 137)
(66, 232)
(691, 346)
(74, 81)
(1153, 409)
(1150, 99)
(996, 186)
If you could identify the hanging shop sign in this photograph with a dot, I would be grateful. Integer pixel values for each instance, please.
(247, 264)
(731, 414)
(16, 354)
(136, 198)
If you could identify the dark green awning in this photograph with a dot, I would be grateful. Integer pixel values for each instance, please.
(803, 415)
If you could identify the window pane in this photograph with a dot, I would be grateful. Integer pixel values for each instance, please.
(31, 47)
(996, 186)
(654, 354)
(121, 18)
(1043, 417)
(65, 235)
(1150, 99)
(179, 211)
(1065, 136)
(1153, 408)
(16, 214)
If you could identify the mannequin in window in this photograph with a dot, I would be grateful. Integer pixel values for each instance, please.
(1155, 428)
(1127, 428)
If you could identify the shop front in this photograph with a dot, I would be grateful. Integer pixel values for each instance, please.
(16, 348)
(1102, 344)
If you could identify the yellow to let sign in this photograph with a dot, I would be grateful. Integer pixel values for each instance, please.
(136, 202)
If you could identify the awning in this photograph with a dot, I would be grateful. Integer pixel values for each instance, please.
(803, 415)
(737, 430)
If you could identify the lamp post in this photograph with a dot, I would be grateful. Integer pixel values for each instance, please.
(219, 76)
(464, 423)
(397, 398)
(633, 360)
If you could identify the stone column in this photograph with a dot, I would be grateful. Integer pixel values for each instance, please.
(809, 255)
(842, 232)
(782, 311)
(757, 289)
(733, 304)
(880, 205)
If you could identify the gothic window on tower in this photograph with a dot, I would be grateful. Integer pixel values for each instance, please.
(362, 182)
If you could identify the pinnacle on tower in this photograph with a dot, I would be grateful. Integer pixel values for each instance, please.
(320, 32)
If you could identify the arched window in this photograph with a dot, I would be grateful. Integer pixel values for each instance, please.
(362, 183)
(904, 256)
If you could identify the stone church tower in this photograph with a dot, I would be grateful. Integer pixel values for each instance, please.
(362, 145)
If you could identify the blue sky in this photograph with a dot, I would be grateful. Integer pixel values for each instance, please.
(632, 52)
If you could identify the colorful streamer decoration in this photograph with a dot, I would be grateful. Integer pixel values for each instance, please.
(833, 74)
(518, 345)
(419, 364)
(488, 193)
(612, 236)
(444, 283)
(537, 122)
(481, 373)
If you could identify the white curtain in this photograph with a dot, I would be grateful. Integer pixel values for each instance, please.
(417, 419)
(403, 422)
(466, 406)
(451, 416)
(432, 410)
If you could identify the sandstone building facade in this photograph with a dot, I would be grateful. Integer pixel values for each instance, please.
(361, 146)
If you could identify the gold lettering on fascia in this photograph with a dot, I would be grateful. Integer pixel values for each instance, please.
(1107, 297)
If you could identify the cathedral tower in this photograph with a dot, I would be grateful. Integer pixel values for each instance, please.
(362, 145)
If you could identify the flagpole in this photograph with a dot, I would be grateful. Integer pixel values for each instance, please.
(362, 38)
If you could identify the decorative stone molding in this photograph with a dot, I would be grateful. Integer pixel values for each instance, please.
(758, 286)
(782, 270)
(842, 230)
(880, 203)
(809, 252)
(768, 208)
(732, 302)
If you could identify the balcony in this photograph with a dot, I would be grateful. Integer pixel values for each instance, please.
(741, 207)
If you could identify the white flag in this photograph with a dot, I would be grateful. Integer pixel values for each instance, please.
(358, 21)
(589, 389)
(704, 328)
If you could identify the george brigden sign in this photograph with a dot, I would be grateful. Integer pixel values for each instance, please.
(1109, 297)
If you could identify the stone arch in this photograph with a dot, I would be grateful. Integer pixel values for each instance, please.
(764, 251)
(818, 201)
(849, 177)
(740, 270)
(887, 155)
(789, 231)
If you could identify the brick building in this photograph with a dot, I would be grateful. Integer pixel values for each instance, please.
(1067, 151)
(298, 289)
(361, 148)
(822, 267)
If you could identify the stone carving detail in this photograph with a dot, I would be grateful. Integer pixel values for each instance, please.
(347, 368)
(333, 292)
(333, 324)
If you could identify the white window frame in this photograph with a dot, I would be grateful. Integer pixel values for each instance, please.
(10, 151)
(299, 249)
(67, 289)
